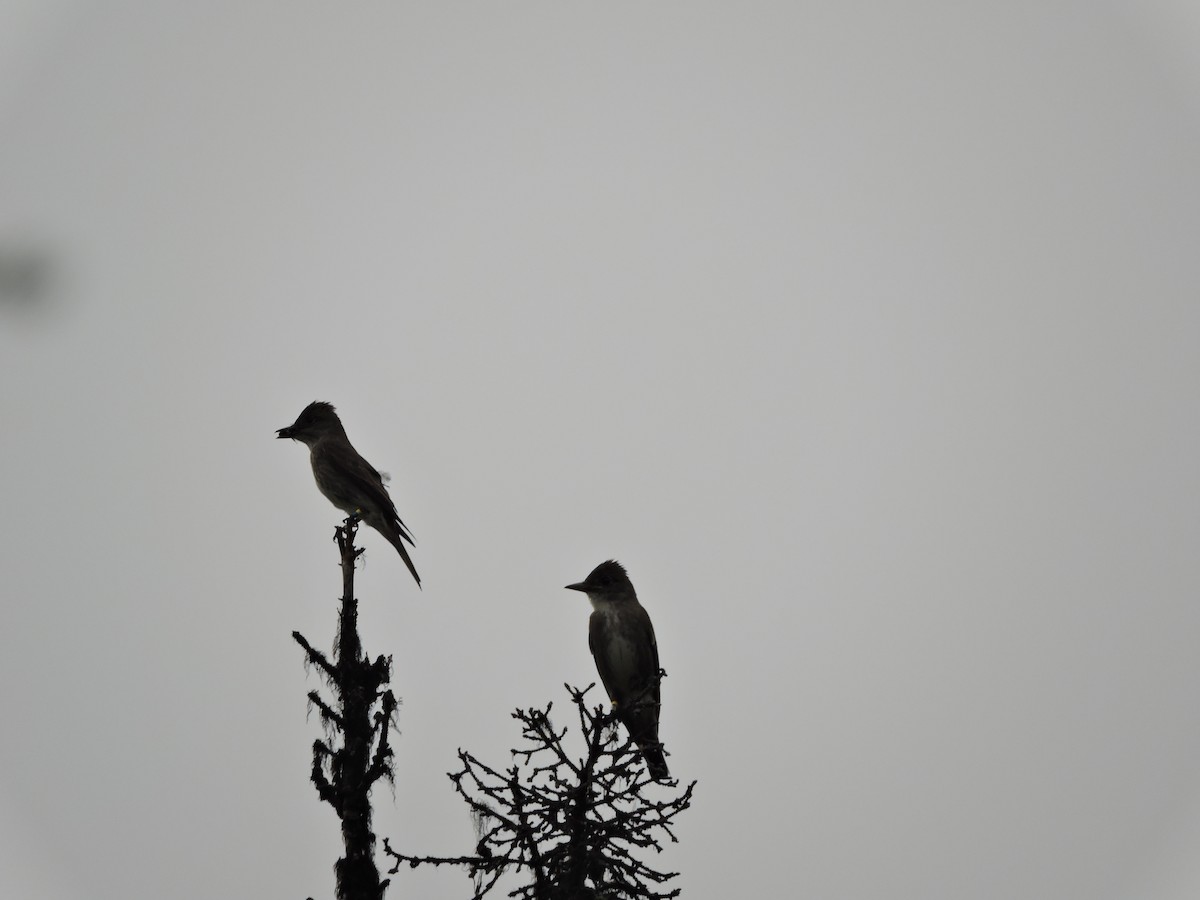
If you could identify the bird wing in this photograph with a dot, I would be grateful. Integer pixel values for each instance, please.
(335, 462)
(633, 628)
(626, 655)
(648, 666)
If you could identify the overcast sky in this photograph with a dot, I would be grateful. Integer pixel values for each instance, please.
(867, 336)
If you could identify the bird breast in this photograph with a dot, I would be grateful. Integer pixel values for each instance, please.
(619, 647)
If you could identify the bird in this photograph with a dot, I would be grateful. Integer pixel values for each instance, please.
(347, 480)
(622, 642)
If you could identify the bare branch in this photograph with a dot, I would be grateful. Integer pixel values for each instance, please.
(359, 753)
(573, 826)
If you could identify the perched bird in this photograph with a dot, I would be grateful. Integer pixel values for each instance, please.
(347, 480)
(626, 654)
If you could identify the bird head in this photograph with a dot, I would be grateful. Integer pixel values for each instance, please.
(608, 580)
(317, 420)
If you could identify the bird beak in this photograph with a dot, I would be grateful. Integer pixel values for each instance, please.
(284, 432)
(582, 586)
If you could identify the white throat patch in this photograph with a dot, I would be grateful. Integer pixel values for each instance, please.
(600, 603)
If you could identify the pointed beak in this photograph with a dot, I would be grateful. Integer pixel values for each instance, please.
(284, 432)
(581, 586)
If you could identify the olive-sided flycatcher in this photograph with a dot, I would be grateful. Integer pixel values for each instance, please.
(626, 654)
(347, 480)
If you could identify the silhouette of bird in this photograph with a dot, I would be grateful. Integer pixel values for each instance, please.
(622, 641)
(347, 480)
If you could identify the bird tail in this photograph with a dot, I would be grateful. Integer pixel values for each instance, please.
(641, 719)
(655, 761)
(396, 537)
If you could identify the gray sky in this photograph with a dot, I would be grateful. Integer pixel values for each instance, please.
(864, 335)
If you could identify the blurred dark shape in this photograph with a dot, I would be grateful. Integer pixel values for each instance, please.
(25, 275)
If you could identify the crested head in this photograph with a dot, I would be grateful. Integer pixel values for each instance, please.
(318, 411)
(317, 420)
(609, 579)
